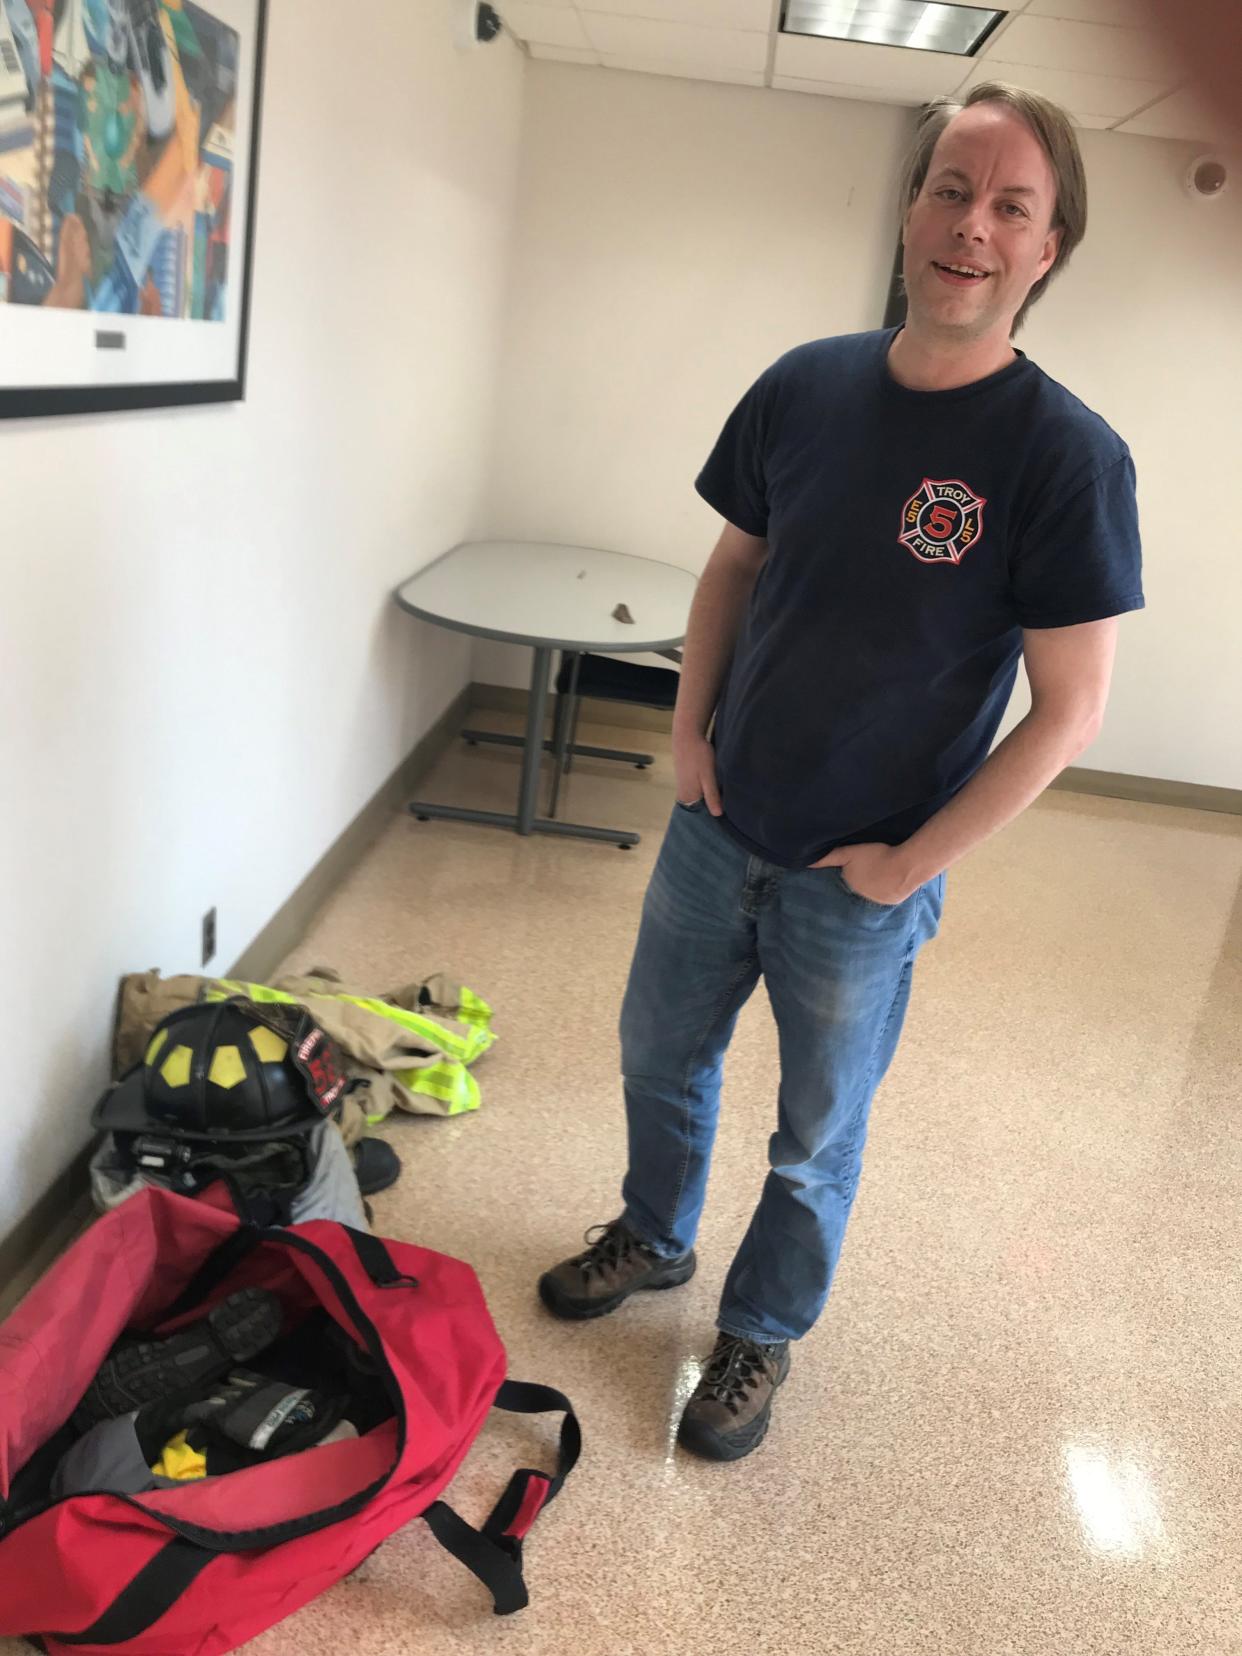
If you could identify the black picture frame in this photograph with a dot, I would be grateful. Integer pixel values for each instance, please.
(38, 402)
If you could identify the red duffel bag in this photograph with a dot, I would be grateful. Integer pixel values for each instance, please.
(198, 1569)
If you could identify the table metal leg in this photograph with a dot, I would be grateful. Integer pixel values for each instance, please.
(495, 738)
(526, 821)
(621, 837)
(532, 754)
(460, 813)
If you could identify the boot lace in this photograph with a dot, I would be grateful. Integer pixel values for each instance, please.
(608, 1246)
(734, 1367)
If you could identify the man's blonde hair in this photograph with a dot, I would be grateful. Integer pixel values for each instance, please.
(1055, 131)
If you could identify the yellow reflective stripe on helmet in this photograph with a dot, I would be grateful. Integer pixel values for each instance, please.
(271, 1047)
(176, 1067)
(228, 1068)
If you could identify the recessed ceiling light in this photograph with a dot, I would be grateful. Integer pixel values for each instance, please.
(911, 23)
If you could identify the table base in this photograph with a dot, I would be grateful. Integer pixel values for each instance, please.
(525, 821)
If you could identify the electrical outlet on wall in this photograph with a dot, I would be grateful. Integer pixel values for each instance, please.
(209, 936)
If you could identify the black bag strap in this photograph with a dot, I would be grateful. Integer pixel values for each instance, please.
(212, 1272)
(498, 1568)
(150, 1595)
(530, 1491)
(494, 1553)
(377, 1262)
(260, 1209)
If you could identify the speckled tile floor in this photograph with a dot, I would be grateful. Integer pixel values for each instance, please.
(1016, 1429)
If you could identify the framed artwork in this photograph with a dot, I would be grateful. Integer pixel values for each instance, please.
(129, 147)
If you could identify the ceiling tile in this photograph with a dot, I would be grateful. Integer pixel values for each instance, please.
(1087, 48)
(1083, 95)
(904, 72)
(1116, 12)
(643, 41)
(562, 54)
(830, 89)
(550, 25)
(717, 14)
(687, 71)
(1184, 115)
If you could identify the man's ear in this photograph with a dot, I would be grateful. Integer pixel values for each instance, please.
(1052, 251)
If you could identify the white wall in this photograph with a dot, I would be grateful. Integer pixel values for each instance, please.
(1145, 327)
(204, 678)
(674, 237)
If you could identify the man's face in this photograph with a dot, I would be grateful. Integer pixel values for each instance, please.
(986, 206)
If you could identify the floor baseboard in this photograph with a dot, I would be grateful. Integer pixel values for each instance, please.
(1150, 790)
(39, 1239)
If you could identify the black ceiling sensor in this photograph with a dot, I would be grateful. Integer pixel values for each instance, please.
(487, 23)
(915, 25)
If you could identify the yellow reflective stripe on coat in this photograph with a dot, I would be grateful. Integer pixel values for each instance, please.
(226, 988)
(464, 1048)
(474, 1009)
(451, 1084)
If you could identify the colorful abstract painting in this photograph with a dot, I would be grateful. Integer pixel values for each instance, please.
(126, 133)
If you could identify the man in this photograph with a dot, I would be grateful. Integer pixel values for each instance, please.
(907, 512)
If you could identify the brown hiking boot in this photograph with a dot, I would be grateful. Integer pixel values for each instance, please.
(728, 1414)
(614, 1265)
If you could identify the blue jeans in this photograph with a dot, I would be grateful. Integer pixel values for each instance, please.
(838, 970)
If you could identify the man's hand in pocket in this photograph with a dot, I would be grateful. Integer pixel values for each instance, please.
(694, 766)
(876, 872)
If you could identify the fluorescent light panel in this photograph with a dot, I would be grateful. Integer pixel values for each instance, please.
(911, 23)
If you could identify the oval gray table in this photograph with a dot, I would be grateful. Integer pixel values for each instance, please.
(548, 597)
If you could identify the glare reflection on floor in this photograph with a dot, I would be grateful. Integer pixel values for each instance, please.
(1115, 1501)
(689, 1372)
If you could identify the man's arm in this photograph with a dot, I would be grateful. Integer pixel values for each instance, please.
(1069, 669)
(715, 619)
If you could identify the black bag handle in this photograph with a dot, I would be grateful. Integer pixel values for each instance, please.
(377, 1262)
(150, 1595)
(498, 1568)
(494, 1553)
(530, 1491)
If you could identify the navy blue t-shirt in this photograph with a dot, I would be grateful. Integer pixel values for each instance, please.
(912, 535)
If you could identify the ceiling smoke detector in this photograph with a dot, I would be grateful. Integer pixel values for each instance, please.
(1207, 177)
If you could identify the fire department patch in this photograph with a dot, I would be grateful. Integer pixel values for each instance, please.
(942, 521)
